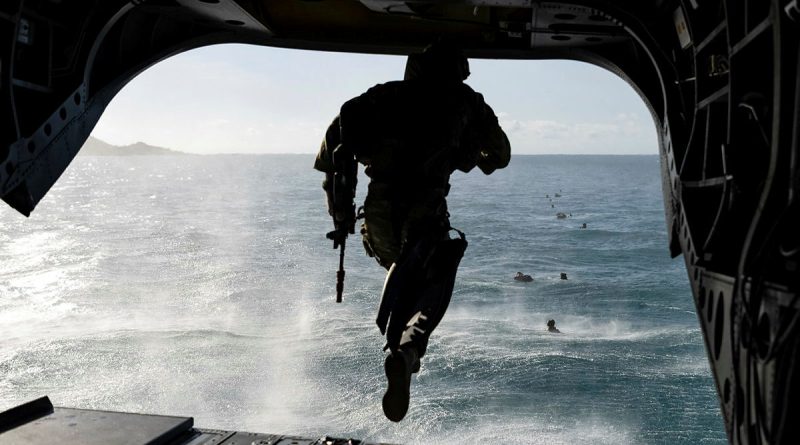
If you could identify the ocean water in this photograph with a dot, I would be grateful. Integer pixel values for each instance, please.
(204, 286)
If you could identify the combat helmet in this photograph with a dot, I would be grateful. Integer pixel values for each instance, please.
(439, 61)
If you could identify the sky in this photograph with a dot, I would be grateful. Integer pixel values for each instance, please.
(251, 99)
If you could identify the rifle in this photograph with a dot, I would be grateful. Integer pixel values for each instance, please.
(339, 238)
(343, 189)
(340, 273)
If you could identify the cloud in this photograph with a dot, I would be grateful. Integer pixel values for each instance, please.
(217, 122)
(236, 98)
(623, 133)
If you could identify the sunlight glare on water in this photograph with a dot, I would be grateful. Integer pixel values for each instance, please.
(204, 286)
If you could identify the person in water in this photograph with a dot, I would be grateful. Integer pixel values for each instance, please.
(522, 277)
(411, 135)
(551, 327)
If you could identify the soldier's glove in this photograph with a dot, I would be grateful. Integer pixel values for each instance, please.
(338, 237)
(344, 219)
(344, 222)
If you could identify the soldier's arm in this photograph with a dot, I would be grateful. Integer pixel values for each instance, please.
(340, 168)
(495, 150)
(330, 141)
(324, 161)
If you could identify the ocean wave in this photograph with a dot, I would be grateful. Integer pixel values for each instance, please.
(215, 298)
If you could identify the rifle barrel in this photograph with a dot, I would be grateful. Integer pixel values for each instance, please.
(340, 274)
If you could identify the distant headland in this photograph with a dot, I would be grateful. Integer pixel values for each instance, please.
(97, 147)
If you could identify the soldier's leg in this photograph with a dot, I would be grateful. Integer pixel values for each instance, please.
(417, 314)
(418, 291)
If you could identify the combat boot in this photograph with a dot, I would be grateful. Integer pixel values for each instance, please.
(399, 366)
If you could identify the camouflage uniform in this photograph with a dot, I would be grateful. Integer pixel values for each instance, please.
(410, 135)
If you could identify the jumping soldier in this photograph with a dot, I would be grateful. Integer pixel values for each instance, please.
(410, 135)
